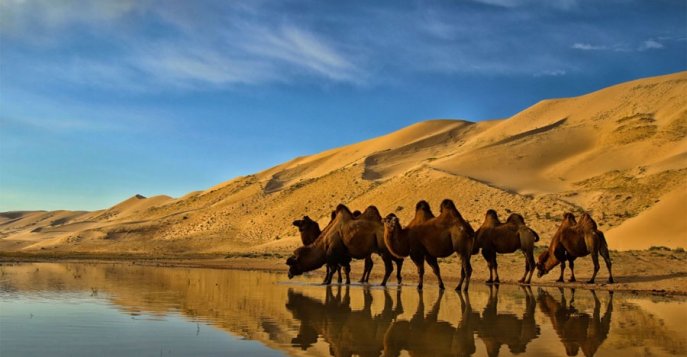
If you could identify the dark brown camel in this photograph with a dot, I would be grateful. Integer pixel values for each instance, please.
(571, 241)
(347, 238)
(577, 330)
(430, 239)
(495, 237)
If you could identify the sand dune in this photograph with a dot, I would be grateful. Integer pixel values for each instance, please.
(620, 153)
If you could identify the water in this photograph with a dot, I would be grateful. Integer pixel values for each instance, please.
(77, 309)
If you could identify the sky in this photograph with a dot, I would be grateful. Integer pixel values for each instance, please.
(101, 100)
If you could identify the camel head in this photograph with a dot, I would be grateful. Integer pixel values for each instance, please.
(304, 259)
(305, 224)
(545, 262)
(391, 222)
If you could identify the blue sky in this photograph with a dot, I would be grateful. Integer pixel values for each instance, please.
(100, 100)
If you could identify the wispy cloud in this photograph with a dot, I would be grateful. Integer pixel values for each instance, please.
(588, 47)
(650, 44)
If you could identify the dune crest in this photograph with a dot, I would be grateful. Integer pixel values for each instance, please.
(619, 152)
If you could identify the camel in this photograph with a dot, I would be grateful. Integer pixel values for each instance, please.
(499, 328)
(571, 241)
(433, 238)
(310, 230)
(577, 330)
(496, 237)
(345, 239)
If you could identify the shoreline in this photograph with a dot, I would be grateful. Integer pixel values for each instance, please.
(644, 276)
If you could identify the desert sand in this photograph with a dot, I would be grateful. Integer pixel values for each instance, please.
(619, 153)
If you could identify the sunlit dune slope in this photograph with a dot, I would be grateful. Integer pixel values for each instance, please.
(620, 153)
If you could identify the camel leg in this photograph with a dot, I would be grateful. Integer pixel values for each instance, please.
(595, 260)
(388, 268)
(419, 261)
(465, 272)
(432, 261)
(607, 258)
(495, 264)
(571, 262)
(347, 270)
(338, 270)
(487, 258)
(560, 278)
(366, 270)
(532, 267)
(330, 274)
(399, 265)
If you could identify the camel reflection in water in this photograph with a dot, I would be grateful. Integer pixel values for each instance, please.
(358, 332)
(346, 331)
(577, 330)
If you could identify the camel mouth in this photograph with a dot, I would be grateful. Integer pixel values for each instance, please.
(290, 275)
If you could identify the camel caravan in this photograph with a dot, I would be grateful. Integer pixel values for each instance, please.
(355, 235)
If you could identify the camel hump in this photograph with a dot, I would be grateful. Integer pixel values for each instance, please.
(516, 218)
(448, 204)
(341, 208)
(569, 217)
(371, 213)
(588, 222)
(423, 206)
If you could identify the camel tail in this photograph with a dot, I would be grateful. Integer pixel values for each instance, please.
(536, 236)
(602, 239)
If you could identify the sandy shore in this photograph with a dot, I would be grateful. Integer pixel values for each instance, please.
(661, 272)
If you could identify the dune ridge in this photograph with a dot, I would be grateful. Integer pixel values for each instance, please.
(619, 152)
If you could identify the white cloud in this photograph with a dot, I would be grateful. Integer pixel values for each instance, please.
(551, 73)
(588, 47)
(650, 44)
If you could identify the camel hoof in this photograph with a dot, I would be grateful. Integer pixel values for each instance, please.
(497, 282)
(419, 287)
(441, 287)
(610, 281)
(489, 281)
(590, 281)
(572, 280)
(560, 280)
(521, 281)
(382, 284)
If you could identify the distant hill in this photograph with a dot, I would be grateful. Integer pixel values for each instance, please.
(620, 153)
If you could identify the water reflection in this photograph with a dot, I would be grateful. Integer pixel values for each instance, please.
(576, 329)
(308, 319)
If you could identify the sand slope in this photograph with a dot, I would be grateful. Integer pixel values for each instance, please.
(620, 153)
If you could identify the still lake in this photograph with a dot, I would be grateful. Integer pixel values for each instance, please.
(122, 309)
